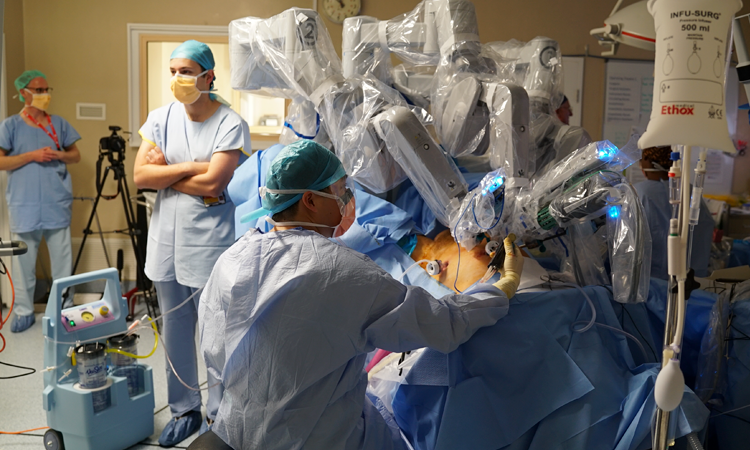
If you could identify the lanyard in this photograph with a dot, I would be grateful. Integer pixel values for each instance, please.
(52, 135)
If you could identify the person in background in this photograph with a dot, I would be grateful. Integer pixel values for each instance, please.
(35, 148)
(564, 112)
(654, 195)
(287, 317)
(189, 152)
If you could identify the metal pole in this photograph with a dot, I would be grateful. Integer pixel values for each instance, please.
(661, 430)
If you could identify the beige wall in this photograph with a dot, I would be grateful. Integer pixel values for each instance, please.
(14, 49)
(82, 47)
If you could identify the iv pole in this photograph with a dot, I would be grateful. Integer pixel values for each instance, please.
(684, 219)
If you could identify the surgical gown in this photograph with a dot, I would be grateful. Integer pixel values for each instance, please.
(185, 237)
(655, 198)
(286, 321)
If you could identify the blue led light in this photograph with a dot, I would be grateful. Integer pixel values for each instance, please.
(614, 212)
(606, 152)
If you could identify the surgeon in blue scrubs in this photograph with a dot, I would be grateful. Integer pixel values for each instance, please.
(287, 317)
(35, 148)
(189, 152)
(654, 194)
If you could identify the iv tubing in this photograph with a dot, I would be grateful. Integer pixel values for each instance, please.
(591, 304)
(624, 333)
(411, 267)
(132, 355)
(157, 336)
(685, 217)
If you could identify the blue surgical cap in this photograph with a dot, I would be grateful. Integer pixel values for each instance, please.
(198, 52)
(24, 80)
(301, 165)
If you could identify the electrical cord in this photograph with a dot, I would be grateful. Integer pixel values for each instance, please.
(30, 369)
(24, 431)
(656, 357)
(12, 303)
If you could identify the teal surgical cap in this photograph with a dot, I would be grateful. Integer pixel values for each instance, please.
(25, 78)
(301, 165)
(198, 52)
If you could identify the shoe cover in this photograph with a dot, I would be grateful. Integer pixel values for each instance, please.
(22, 323)
(179, 428)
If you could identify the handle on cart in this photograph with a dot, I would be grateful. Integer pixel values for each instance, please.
(13, 248)
(112, 292)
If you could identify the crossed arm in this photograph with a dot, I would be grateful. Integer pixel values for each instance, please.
(206, 179)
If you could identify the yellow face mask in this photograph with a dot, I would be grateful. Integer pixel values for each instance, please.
(40, 101)
(184, 88)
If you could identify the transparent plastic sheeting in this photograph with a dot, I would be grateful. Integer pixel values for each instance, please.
(481, 211)
(434, 175)
(348, 109)
(586, 199)
(586, 258)
(711, 382)
(287, 55)
(364, 48)
(533, 203)
(303, 122)
(461, 118)
(551, 140)
(414, 82)
(418, 37)
(629, 246)
(536, 65)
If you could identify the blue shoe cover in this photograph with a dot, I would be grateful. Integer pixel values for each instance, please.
(22, 323)
(180, 428)
(205, 426)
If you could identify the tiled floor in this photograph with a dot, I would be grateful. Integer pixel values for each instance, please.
(21, 398)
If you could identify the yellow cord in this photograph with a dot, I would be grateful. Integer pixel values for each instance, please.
(131, 355)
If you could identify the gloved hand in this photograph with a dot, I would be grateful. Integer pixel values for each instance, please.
(512, 268)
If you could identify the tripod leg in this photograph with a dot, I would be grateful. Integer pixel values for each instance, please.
(87, 230)
(133, 231)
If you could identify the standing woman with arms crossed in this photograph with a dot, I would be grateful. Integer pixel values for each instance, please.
(189, 153)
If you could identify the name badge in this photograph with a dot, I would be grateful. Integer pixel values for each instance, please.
(214, 201)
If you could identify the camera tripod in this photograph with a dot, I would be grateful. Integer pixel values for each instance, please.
(113, 148)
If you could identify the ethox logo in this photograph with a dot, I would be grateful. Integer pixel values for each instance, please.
(678, 110)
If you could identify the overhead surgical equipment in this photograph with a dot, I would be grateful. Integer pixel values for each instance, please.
(632, 26)
(83, 413)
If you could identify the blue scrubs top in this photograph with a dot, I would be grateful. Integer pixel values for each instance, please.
(39, 195)
(655, 198)
(185, 238)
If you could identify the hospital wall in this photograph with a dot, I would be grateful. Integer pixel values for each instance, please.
(82, 47)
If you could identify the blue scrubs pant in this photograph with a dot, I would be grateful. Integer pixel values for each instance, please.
(24, 266)
(178, 331)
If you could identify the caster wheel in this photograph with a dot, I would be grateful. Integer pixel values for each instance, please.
(53, 440)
